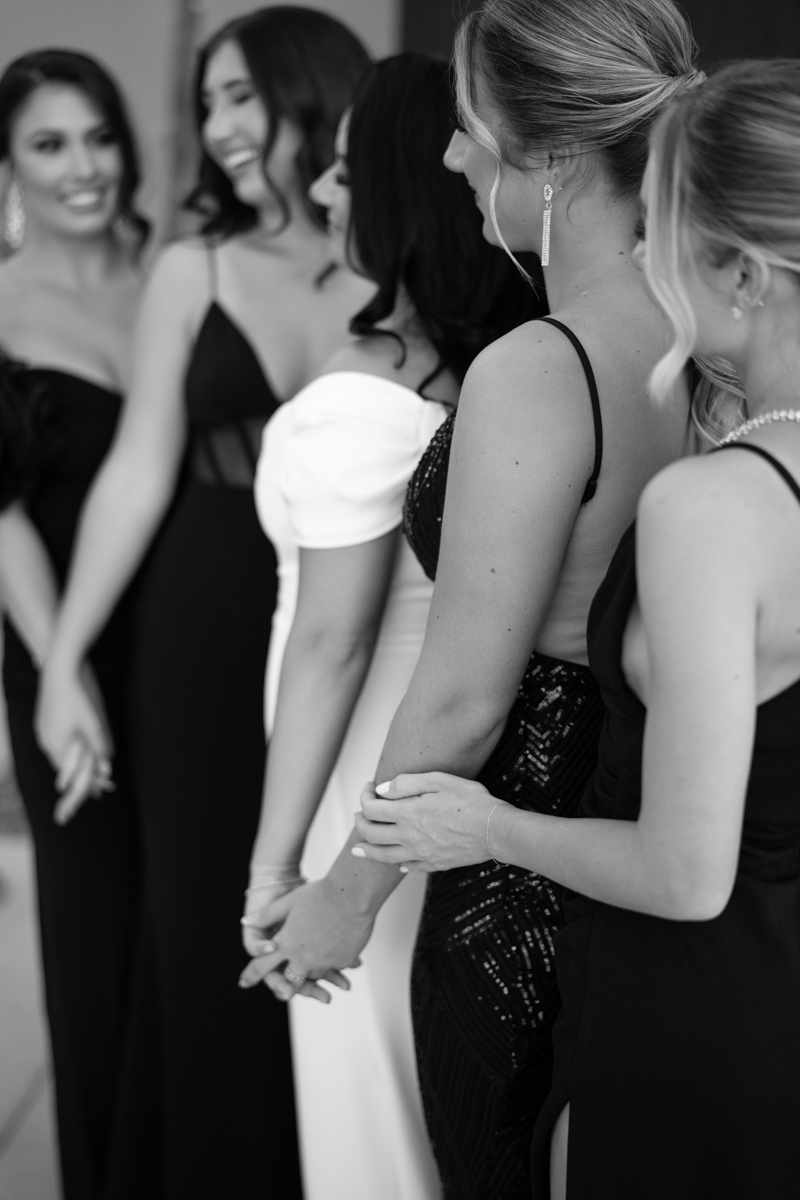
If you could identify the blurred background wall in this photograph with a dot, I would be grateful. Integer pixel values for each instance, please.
(149, 44)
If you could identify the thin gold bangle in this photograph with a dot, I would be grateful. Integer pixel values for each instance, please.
(488, 845)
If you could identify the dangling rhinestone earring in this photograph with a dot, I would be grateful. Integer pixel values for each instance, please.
(548, 212)
(737, 313)
(14, 224)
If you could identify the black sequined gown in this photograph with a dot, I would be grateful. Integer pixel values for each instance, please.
(484, 993)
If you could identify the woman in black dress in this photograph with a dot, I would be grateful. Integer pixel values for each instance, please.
(231, 324)
(552, 444)
(68, 296)
(678, 1048)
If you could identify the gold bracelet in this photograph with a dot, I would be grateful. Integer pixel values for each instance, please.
(488, 845)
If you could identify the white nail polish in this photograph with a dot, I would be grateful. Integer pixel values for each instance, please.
(382, 788)
(358, 852)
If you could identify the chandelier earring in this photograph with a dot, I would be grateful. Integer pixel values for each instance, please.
(737, 313)
(14, 216)
(546, 217)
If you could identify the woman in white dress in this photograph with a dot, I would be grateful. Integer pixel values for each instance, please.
(353, 603)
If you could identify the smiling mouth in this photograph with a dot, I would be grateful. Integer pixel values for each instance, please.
(87, 200)
(237, 159)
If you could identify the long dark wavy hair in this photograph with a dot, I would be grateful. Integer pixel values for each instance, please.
(305, 66)
(24, 75)
(414, 225)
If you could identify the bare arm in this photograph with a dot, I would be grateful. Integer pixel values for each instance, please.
(341, 598)
(27, 582)
(133, 487)
(701, 571)
(522, 452)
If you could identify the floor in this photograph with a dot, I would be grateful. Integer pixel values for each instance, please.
(27, 1149)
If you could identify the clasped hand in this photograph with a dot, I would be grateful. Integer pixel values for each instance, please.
(299, 936)
(72, 730)
(426, 822)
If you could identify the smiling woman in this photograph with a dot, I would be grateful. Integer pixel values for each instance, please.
(232, 323)
(68, 298)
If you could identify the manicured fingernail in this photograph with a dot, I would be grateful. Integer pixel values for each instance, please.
(243, 983)
(404, 870)
(358, 852)
(267, 947)
(382, 788)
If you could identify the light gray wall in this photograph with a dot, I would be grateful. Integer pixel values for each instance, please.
(136, 39)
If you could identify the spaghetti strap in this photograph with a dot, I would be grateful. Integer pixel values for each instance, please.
(779, 467)
(591, 485)
(213, 269)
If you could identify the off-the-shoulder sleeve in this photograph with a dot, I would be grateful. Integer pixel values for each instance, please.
(349, 451)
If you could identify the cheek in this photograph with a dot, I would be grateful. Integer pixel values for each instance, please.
(109, 160)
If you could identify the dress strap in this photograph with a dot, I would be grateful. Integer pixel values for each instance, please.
(779, 467)
(591, 486)
(213, 270)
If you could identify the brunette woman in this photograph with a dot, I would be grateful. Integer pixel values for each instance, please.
(231, 325)
(551, 447)
(354, 601)
(68, 296)
(678, 1050)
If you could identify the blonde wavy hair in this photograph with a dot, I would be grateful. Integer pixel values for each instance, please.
(724, 178)
(589, 74)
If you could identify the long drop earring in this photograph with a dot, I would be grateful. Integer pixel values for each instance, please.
(14, 216)
(548, 212)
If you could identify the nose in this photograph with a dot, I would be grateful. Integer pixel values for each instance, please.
(456, 149)
(82, 160)
(323, 188)
(218, 124)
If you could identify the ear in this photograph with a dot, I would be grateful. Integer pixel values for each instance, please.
(750, 280)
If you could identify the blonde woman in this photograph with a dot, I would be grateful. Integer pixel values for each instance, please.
(678, 1051)
(552, 444)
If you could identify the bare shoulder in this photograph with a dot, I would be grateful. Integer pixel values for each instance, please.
(179, 286)
(534, 366)
(707, 500)
(379, 355)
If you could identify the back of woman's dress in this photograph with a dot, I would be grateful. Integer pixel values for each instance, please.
(678, 1047)
(333, 473)
(484, 994)
(210, 1063)
(87, 872)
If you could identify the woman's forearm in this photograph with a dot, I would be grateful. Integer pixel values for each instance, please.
(429, 732)
(321, 680)
(628, 864)
(118, 522)
(27, 582)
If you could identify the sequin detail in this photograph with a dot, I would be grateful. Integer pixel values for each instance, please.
(484, 993)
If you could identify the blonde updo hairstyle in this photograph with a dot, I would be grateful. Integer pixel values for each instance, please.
(724, 178)
(583, 75)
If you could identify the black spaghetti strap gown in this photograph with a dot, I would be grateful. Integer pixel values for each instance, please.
(210, 1067)
(484, 993)
(87, 872)
(678, 1046)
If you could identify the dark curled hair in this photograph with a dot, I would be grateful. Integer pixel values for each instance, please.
(414, 225)
(68, 67)
(305, 66)
(26, 436)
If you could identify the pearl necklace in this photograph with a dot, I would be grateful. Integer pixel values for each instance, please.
(783, 414)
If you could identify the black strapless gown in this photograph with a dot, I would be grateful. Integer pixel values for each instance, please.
(484, 995)
(209, 1096)
(88, 872)
(678, 1047)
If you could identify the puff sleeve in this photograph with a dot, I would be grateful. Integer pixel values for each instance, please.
(348, 455)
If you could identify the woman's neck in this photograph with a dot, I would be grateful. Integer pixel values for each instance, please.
(70, 263)
(299, 242)
(592, 239)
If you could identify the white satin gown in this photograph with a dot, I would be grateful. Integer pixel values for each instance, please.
(333, 470)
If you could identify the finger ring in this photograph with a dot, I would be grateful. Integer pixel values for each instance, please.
(293, 977)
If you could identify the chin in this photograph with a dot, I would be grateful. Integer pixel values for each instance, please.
(252, 192)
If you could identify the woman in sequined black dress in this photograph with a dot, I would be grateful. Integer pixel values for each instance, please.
(551, 446)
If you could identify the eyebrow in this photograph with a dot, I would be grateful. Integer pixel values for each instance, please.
(55, 131)
(227, 87)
